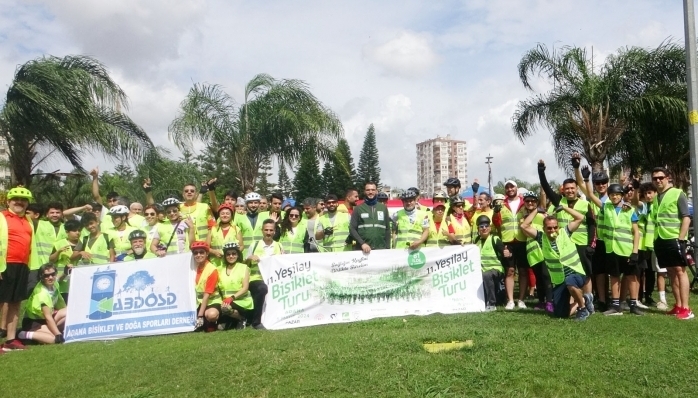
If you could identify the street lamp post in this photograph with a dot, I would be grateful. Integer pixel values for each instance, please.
(691, 83)
(489, 171)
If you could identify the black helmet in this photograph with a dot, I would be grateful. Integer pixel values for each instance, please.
(452, 182)
(615, 188)
(136, 234)
(483, 219)
(530, 195)
(407, 195)
(599, 176)
(457, 200)
(382, 196)
(415, 190)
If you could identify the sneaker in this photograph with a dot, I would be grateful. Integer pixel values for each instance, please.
(589, 302)
(549, 308)
(635, 310)
(13, 345)
(624, 306)
(641, 306)
(259, 326)
(241, 325)
(674, 311)
(662, 306)
(649, 301)
(613, 310)
(685, 314)
(490, 308)
(521, 305)
(582, 315)
(509, 306)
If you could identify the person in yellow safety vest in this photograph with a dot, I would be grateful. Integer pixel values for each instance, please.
(311, 217)
(208, 296)
(138, 250)
(234, 285)
(622, 241)
(250, 223)
(174, 235)
(484, 202)
(440, 232)
(135, 216)
(493, 254)
(509, 207)
(453, 191)
(45, 311)
(291, 232)
(95, 248)
(333, 227)
(458, 219)
(50, 230)
(260, 249)
(534, 253)
(644, 195)
(199, 213)
(62, 252)
(562, 261)
(276, 204)
(411, 225)
(120, 229)
(439, 198)
(225, 231)
(350, 198)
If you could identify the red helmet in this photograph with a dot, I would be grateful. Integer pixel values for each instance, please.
(199, 244)
(226, 206)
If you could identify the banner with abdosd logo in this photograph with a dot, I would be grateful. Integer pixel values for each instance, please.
(136, 298)
(321, 288)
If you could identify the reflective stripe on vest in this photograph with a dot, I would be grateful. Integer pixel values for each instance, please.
(99, 250)
(437, 238)
(580, 236)
(218, 240)
(200, 217)
(45, 236)
(340, 232)
(3, 244)
(647, 228)
(488, 256)
(228, 285)
(462, 230)
(258, 250)
(213, 298)
(293, 243)
(408, 232)
(566, 257)
(510, 224)
(619, 229)
(534, 253)
(667, 224)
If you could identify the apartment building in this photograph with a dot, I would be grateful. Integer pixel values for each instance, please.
(438, 159)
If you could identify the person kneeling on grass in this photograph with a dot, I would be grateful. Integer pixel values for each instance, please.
(206, 286)
(233, 284)
(563, 262)
(492, 252)
(44, 314)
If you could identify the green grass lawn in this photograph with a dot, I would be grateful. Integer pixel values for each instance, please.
(515, 354)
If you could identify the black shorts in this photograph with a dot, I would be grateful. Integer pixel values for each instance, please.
(28, 323)
(32, 281)
(13, 287)
(586, 261)
(518, 254)
(598, 261)
(644, 260)
(668, 253)
(216, 306)
(617, 265)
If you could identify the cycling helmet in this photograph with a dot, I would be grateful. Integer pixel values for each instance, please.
(226, 206)
(19, 193)
(599, 176)
(416, 190)
(498, 196)
(440, 195)
(483, 219)
(119, 210)
(452, 182)
(408, 195)
(199, 244)
(159, 208)
(252, 196)
(382, 196)
(457, 201)
(530, 195)
(136, 234)
(615, 188)
(231, 246)
(171, 202)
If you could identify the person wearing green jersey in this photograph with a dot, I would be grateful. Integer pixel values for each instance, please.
(493, 254)
(120, 229)
(260, 249)
(45, 311)
(644, 195)
(62, 252)
(563, 262)
(96, 247)
(234, 284)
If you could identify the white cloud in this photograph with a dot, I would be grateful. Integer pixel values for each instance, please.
(407, 55)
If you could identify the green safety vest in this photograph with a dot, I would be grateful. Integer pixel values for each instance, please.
(534, 253)
(619, 230)
(45, 236)
(99, 249)
(200, 215)
(213, 298)
(667, 224)
(566, 256)
(258, 250)
(580, 237)
(337, 241)
(168, 238)
(293, 242)
(251, 234)
(408, 232)
(228, 285)
(40, 297)
(510, 230)
(120, 238)
(373, 221)
(63, 260)
(437, 237)
(132, 257)
(218, 240)
(463, 230)
(488, 256)
(646, 226)
(489, 213)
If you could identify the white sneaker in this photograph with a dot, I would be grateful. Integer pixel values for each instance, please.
(641, 306)
(624, 306)
(662, 306)
(521, 304)
(510, 306)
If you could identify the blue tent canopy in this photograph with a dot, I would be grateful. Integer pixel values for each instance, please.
(468, 193)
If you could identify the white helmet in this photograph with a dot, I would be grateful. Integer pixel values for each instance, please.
(119, 210)
(171, 202)
(498, 198)
(252, 196)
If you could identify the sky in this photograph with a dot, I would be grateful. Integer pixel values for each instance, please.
(414, 69)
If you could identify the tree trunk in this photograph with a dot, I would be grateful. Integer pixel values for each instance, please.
(20, 165)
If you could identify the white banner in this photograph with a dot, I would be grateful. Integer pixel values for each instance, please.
(136, 298)
(321, 288)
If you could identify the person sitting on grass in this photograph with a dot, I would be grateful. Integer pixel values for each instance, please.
(233, 285)
(492, 252)
(138, 249)
(563, 262)
(44, 314)
(206, 285)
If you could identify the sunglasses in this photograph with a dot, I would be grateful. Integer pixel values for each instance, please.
(294, 216)
(483, 226)
(658, 178)
(531, 201)
(172, 211)
(552, 228)
(458, 205)
(230, 254)
(600, 182)
(189, 190)
(52, 274)
(150, 214)
(199, 252)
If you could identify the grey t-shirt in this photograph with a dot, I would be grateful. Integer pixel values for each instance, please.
(682, 204)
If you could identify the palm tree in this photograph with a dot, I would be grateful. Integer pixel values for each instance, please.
(589, 109)
(66, 107)
(277, 118)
